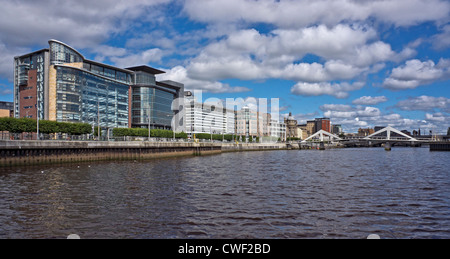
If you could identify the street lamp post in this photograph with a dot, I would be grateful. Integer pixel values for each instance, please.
(37, 117)
(98, 118)
(149, 122)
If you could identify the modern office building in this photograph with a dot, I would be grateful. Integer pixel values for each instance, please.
(59, 84)
(207, 118)
(322, 124)
(336, 129)
(247, 122)
(257, 124)
(214, 118)
(278, 130)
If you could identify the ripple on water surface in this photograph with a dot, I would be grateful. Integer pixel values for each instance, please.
(346, 193)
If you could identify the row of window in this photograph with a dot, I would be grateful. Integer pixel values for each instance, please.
(108, 72)
(86, 101)
(60, 54)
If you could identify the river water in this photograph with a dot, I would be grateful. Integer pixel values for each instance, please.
(345, 193)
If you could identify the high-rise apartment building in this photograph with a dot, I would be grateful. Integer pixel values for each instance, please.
(322, 124)
(207, 117)
(60, 84)
(259, 124)
(336, 129)
(247, 122)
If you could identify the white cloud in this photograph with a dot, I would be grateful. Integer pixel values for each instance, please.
(424, 103)
(416, 73)
(336, 107)
(316, 89)
(294, 13)
(369, 100)
(179, 74)
(349, 52)
(218, 68)
(329, 42)
(315, 72)
(156, 38)
(353, 112)
(6, 60)
(442, 41)
(302, 118)
(248, 54)
(143, 58)
(5, 90)
(82, 23)
(437, 117)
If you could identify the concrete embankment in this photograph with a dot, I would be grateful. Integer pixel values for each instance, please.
(444, 146)
(252, 147)
(25, 153)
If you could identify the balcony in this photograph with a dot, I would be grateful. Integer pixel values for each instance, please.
(23, 74)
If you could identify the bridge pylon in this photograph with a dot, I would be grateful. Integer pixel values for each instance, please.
(321, 134)
(388, 131)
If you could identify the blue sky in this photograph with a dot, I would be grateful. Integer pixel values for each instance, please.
(361, 63)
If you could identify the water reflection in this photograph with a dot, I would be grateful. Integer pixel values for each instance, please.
(283, 194)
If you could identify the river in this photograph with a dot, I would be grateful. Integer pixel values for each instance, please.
(341, 193)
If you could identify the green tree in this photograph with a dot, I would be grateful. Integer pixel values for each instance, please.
(47, 127)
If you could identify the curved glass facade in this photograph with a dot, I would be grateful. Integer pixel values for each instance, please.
(114, 74)
(61, 54)
(84, 97)
(154, 104)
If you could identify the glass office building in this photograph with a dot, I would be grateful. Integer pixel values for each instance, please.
(207, 117)
(152, 100)
(59, 84)
(84, 97)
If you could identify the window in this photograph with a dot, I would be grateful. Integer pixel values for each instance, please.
(96, 69)
(60, 54)
(110, 73)
(91, 96)
(145, 79)
(28, 97)
(120, 76)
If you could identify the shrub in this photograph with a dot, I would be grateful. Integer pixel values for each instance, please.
(21, 125)
(142, 132)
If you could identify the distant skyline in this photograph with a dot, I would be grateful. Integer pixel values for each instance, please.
(361, 63)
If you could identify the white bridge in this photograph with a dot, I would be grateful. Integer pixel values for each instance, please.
(388, 137)
(385, 135)
(321, 134)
